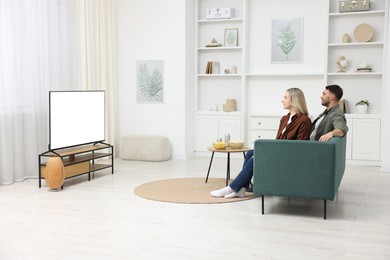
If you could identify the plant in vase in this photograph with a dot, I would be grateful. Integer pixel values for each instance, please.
(362, 106)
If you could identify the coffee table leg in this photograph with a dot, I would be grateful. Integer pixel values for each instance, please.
(208, 172)
(228, 169)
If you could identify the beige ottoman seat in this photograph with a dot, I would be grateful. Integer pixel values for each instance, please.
(152, 148)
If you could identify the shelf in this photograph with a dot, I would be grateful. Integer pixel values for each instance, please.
(77, 150)
(363, 116)
(219, 113)
(97, 167)
(84, 158)
(357, 74)
(219, 75)
(219, 48)
(285, 74)
(352, 44)
(221, 20)
(374, 12)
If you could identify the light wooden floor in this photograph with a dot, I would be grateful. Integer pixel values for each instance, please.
(103, 219)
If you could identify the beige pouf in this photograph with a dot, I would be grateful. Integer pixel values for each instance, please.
(152, 148)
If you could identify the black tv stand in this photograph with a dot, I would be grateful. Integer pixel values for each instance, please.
(79, 160)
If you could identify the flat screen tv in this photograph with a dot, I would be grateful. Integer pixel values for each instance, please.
(76, 118)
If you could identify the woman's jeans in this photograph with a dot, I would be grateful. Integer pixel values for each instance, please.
(244, 178)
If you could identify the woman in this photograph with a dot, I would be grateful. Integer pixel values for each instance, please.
(296, 125)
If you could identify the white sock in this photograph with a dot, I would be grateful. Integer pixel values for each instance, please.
(240, 194)
(221, 192)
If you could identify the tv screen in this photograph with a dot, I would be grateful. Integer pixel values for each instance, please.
(76, 118)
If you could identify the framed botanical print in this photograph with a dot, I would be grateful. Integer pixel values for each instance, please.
(231, 37)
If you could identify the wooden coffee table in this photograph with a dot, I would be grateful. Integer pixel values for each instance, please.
(227, 151)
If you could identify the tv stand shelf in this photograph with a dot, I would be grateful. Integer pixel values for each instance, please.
(79, 160)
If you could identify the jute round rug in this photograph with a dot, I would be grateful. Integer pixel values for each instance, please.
(185, 190)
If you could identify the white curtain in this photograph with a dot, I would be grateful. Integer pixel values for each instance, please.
(98, 55)
(36, 48)
(40, 50)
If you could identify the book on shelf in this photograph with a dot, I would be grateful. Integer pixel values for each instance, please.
(344, 106)
(215, 67)
(212, 67)
(208, 68)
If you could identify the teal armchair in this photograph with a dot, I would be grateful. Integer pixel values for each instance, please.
(299, 169)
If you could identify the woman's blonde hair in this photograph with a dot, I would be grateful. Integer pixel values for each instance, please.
(298, 101)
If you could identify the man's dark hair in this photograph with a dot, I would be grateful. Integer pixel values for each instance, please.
(336, 90)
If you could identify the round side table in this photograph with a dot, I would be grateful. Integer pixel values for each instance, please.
(227, 151)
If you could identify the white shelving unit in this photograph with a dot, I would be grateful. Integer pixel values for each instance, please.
(363, 143)
(259, 83)
(358, 85)
(213, 89)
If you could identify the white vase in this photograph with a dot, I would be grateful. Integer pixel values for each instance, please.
(362, 109)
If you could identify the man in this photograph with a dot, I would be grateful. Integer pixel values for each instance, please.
(332, 120)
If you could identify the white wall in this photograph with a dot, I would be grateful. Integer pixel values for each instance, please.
(190, 78)
(385, 141)
(314, 49)
(153, 30)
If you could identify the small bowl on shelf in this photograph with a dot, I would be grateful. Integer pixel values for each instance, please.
(236, 144)
(219, 145)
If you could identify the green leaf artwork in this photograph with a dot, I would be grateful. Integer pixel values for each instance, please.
(149, 82)
(231, 38)
(286, 40)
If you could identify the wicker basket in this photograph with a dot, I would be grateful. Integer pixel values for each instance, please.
(236, 144)
(231, 102)
(229, 108)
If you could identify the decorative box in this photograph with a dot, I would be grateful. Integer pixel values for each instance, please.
(354, 6)
(219, 13)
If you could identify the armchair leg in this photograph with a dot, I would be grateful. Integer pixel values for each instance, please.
(324, 209)
(262, 204)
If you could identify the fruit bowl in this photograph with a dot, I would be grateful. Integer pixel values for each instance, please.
(236, 144)
(219, 145)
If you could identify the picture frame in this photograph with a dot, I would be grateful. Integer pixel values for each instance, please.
(287, 40)
(231, 37)
(150, 81)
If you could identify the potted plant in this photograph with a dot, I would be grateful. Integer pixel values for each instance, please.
(362, 106)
